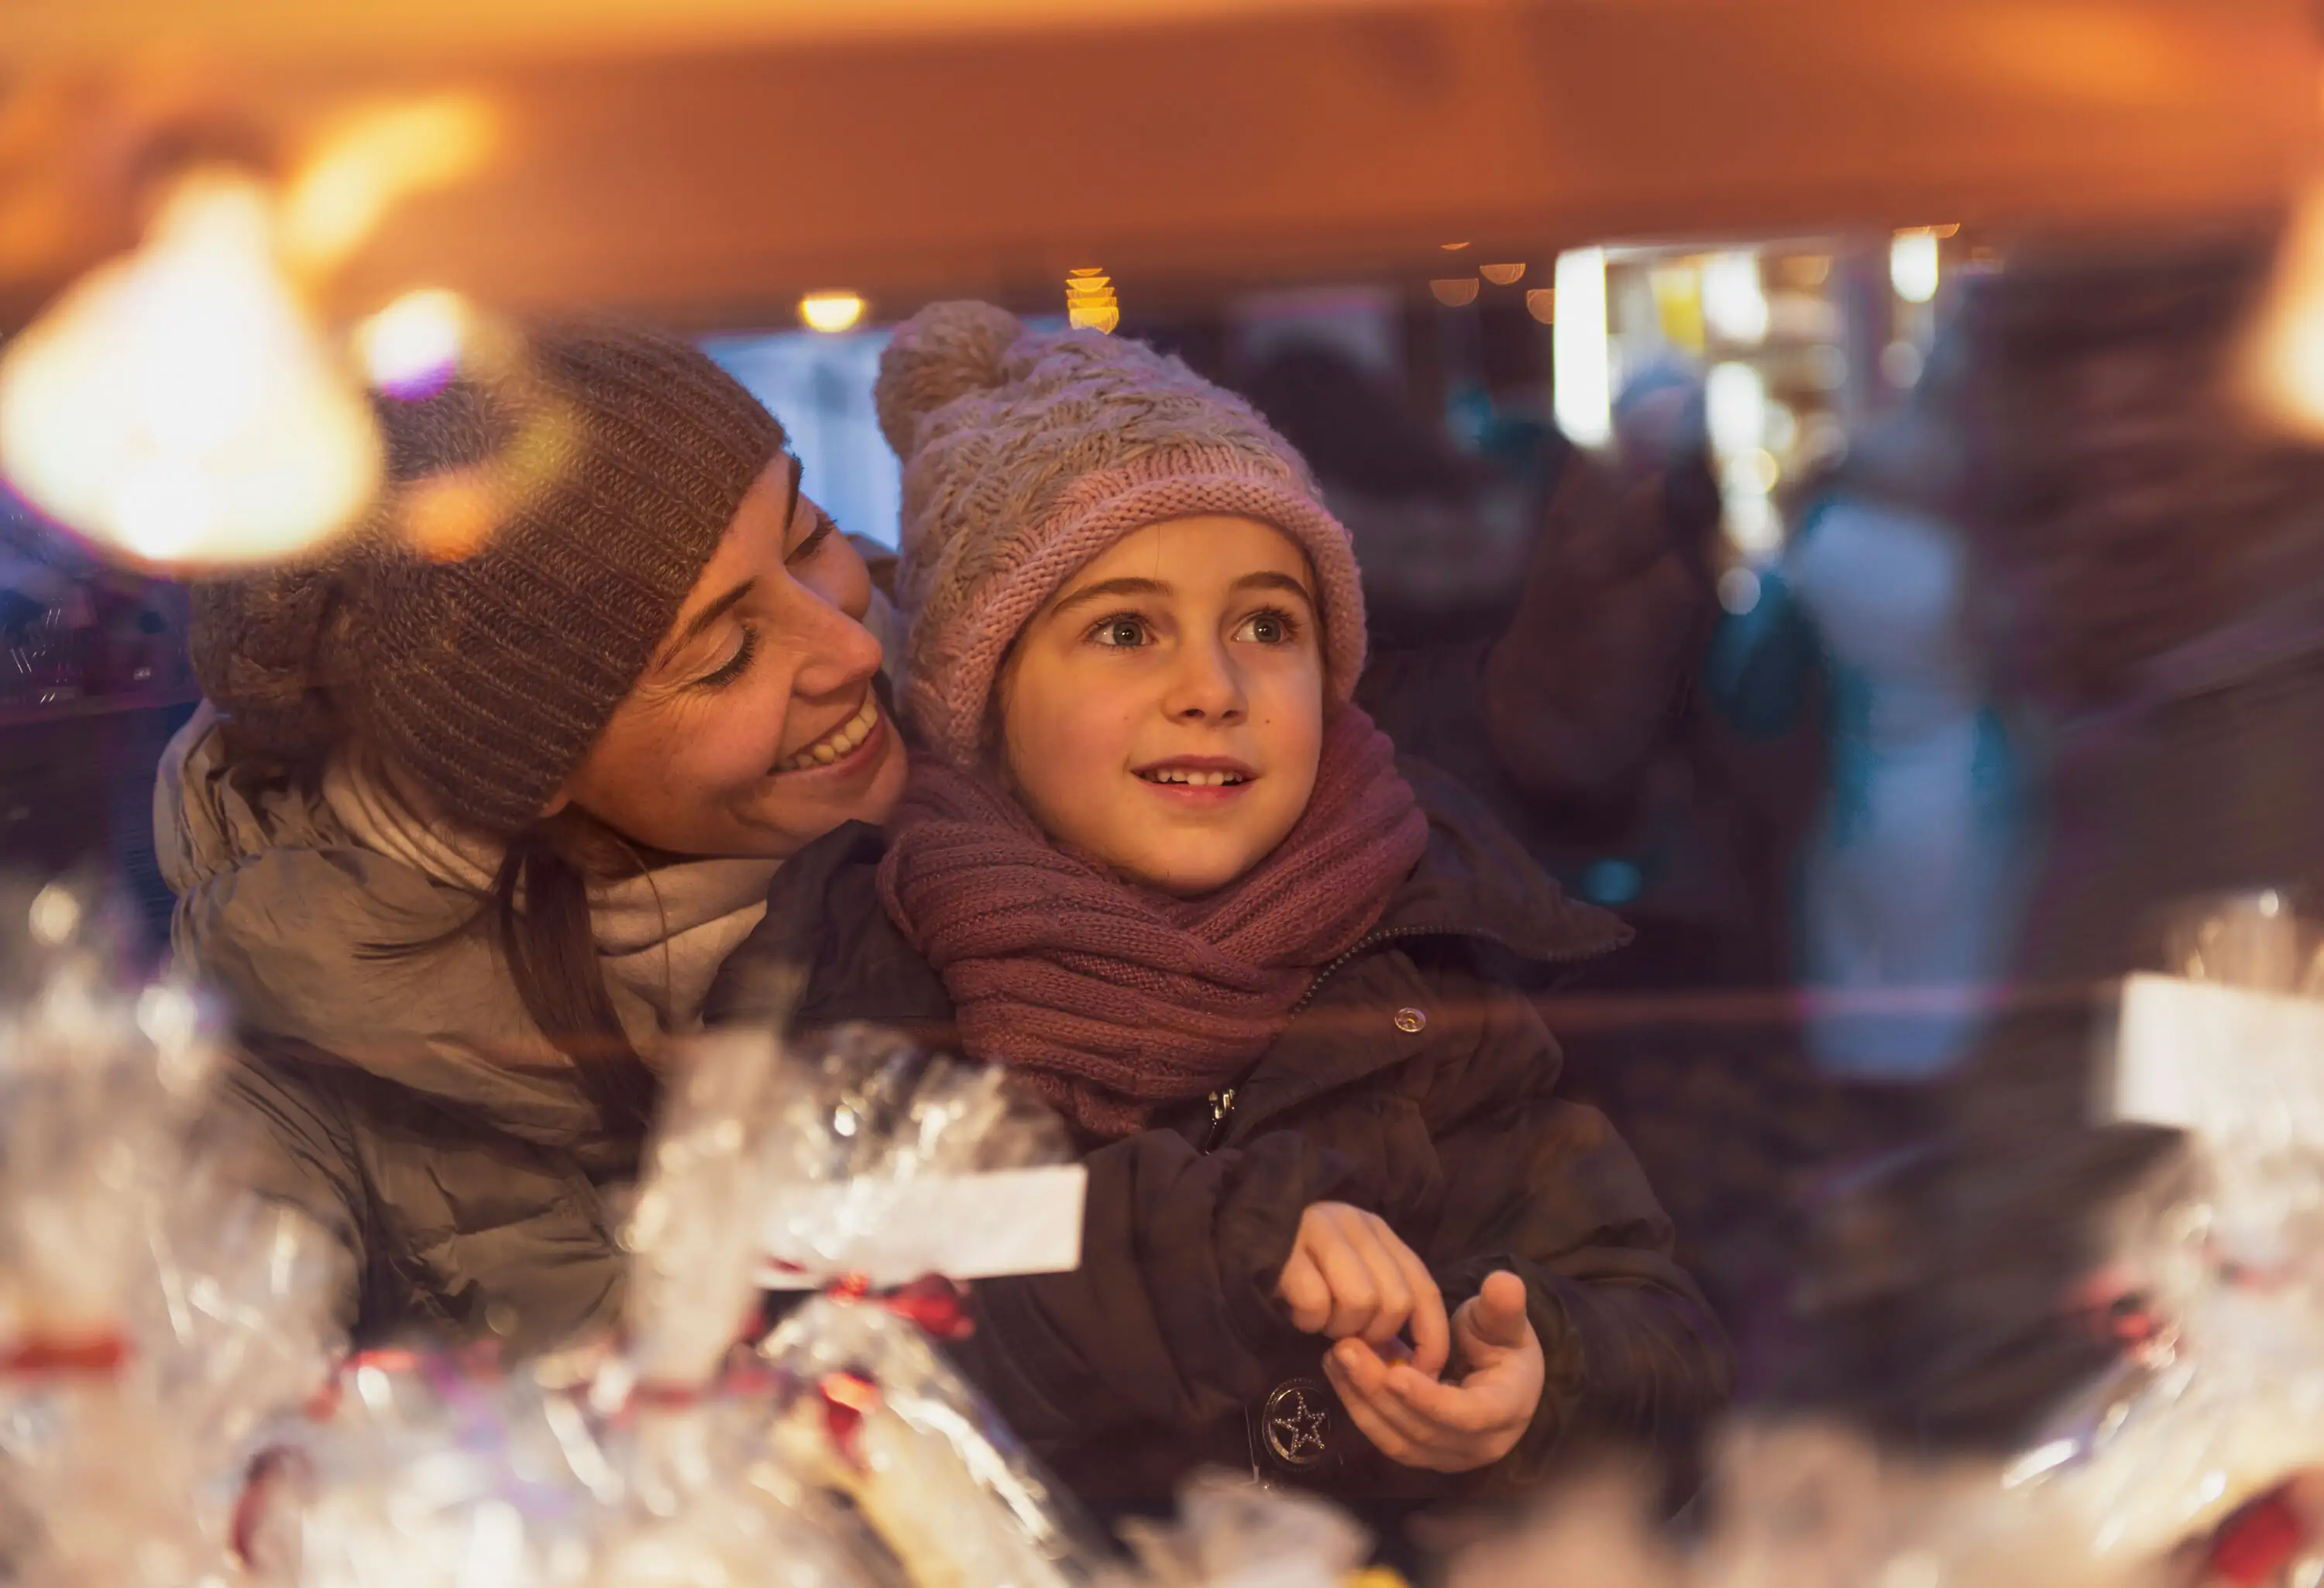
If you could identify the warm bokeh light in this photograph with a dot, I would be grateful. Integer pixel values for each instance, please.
(1541, 302)
(372, 161)
(2286, 353)
(1090, 301)
(1734, 298)
(412, 346)
(179, 405)
(1455, 291)
(1914, 259)
(1502, 275)
(830, 312)
(1582, 355)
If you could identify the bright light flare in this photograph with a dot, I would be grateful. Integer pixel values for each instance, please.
(1581, 353)
(2286, 354)
(1914, 258)
(830, 312)
(369, 164)
(1734, 298)
(412, 347)
(179, 405)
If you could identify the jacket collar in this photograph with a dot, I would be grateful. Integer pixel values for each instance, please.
(1474, 880)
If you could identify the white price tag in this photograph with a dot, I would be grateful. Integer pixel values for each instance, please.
(2230, 1065)
(893, 1232)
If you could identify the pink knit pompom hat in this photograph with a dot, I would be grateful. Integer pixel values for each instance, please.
(1027, 453)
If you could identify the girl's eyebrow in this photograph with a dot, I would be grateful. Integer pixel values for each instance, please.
(1105, 589)
(1275, 581)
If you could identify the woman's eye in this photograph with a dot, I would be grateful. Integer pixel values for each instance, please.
(735, 666)
(1120, 631)
(825, 528)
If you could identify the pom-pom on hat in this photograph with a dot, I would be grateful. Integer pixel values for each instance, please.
(1028, 454)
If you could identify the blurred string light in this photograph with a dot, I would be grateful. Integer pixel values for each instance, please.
(1739, 591)
(1502, 275)
(1735, 299)
(179, 405)
(1915, 258)
(370, 161)
(830, 312)
(1454, 291)
(1090, 301)
(1735, 412)
(1582, 352)
(412, 347)
(1541, 302)
(2286, 356)
(182, 406)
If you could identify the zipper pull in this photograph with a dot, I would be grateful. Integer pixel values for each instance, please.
(1222, 1108)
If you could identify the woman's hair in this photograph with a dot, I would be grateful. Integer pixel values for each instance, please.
(535, 915)
(538, 912)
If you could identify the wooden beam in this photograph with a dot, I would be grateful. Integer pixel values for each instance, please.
(1310, 142)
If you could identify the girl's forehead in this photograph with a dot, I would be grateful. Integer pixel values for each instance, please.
(1198, 553)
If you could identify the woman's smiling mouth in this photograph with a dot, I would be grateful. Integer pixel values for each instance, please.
(840, 742)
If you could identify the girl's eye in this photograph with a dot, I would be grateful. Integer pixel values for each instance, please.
(735, 666)
(1120, 631)
(1268, 628)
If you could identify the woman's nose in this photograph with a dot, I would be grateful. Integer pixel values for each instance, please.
(1204, 687)
(837, 652)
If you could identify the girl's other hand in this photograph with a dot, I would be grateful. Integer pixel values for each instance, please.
(1351, 1276)
(1419, 1422)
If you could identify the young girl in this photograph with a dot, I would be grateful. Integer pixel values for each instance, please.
(1154, 861)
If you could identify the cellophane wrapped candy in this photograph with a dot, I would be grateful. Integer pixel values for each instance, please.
(2224, 1401)
(152, 1312)
(875, 1412)
(705, 1498)
(1232, 1532)
(433, 1468)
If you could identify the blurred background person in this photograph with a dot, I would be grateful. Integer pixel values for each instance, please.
(2151, 562)
(1912, 877)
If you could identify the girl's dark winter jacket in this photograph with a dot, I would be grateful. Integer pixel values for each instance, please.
(1417, 1080)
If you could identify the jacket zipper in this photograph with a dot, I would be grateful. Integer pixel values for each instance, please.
(1223, 1101)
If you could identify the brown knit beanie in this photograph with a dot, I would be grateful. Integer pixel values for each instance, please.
(1025, 455)
(613, 458)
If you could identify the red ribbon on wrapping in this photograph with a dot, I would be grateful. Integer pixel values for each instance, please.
(36, 1357)
(2258, 1541)
(937, 1305)
(847, 1399)
(266, 1469)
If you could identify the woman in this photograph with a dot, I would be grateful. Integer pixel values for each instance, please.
(440, 832)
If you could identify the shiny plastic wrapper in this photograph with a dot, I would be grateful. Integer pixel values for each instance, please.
(875, 1412)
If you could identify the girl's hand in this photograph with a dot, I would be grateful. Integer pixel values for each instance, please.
(1350, 1277)
(1419, 1422)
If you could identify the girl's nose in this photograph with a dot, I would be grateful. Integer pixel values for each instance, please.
(1204, 687)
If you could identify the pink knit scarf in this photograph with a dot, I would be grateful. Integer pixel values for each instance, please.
(1114, 1000)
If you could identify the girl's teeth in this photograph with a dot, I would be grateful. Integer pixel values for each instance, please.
(1197, 779)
